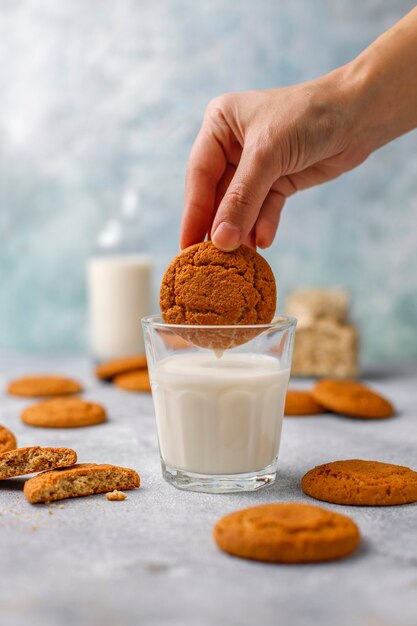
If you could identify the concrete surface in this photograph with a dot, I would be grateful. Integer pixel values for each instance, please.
(151, 559)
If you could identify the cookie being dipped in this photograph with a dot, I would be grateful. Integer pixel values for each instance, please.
(204, 286)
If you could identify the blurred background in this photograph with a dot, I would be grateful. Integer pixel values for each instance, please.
(101, 100)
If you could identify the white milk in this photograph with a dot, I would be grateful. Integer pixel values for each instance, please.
(219, 416)
(119, 293)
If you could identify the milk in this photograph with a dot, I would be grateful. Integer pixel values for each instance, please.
(119, 293)
(219, 416)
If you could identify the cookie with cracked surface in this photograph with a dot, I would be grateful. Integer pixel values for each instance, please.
(287, 533)
(110, 369)
(85, 479)
(205, 286)
(352, 398)
(367, 483)
(43, 385)
(301, 402)
(133, 381)
(64, 413)
(34, 459)
(7, 440)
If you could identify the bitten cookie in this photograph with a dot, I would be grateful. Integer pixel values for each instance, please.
(287, 533)
(84, 479)
(64, 413)
(300, 402)
(7, 440)
(204, 285)
(362, 483)
(34, 459)
(352, 398)
(133, 381)
(110, 369)
(40, 386)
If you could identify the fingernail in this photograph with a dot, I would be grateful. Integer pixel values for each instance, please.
(226, 236)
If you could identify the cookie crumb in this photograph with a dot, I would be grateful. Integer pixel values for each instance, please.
(116, 495)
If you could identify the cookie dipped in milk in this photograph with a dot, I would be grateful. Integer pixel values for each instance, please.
(219, 365)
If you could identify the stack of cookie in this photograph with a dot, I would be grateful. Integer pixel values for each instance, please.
(58, 474)
(129, 373)
(326, 342)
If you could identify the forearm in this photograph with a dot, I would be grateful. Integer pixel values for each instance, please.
(385, 75)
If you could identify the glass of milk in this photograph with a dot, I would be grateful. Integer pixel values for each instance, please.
(219, 413)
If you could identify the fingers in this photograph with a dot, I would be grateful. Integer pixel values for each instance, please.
(206, 166)
(268, 220)
(239, 209)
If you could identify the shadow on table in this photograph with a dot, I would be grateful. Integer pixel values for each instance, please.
(12, 484)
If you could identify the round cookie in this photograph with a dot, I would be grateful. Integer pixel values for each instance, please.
(287, 533)
(42, 386)
(7, 440)
(133, 381)
(205, 286)
(110, 369)
(368, 483)
(64, 413)
(352, 398)
(301, 402)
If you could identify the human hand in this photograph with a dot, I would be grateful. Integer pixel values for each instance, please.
(255, 149)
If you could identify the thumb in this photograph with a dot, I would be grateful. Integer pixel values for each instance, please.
(239, 209)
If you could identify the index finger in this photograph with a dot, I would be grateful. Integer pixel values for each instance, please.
(205, 168)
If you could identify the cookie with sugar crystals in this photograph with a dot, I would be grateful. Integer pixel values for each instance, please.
(287, 533)
(85, 479)
(352, 398)
(357, 482)
(43, 385)
(64, 413)
(34, 459)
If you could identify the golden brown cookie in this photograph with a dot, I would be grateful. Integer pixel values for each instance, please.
(287, 533)
(301, 402)
(110, 369)
(34, 459)
(64, 413)
(43, 385)
(204, 285)
(84, 479)
(7, 440)
(352, 398)
(133, 381)
(368, 483)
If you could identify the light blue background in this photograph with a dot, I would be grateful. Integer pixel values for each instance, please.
(101, 96)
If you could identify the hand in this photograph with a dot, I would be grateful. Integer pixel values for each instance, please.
(256, 149)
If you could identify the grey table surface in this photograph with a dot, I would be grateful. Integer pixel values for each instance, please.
(151, 559)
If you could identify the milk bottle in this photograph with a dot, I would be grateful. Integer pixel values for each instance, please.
(119, 285)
